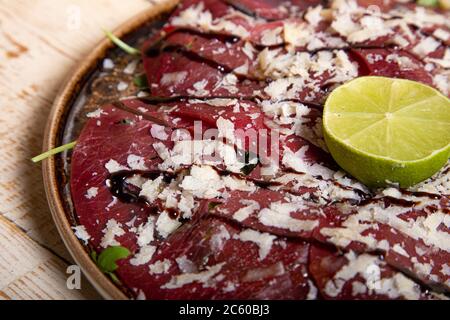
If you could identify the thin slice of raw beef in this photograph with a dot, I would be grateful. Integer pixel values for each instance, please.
(212, 259)
(353, 276)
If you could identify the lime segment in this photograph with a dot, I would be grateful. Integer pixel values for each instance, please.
(384, 130)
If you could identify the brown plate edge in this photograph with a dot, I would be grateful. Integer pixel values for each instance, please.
(56, 123)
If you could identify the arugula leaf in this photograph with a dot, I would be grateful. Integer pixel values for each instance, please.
(114, 278)
(213, 205)
(428, 3)
(54, 151)
(141, 81)
(107, 260)
(249, 158)
(122, 45)
(189, 45)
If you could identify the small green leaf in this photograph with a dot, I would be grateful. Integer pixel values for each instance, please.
(107, 260)
(428, 3)
(114, 278)
(122, 45)
(213, 205)
(94, 256)
(141, 81)
(189, 45)
(52, 152)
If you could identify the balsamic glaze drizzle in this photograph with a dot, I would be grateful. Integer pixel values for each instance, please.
(125, 193)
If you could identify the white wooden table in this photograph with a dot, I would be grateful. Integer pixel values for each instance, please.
(40, 41)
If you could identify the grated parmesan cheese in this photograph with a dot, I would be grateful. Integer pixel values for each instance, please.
(144, 255)
(91, 193)
(113, 229)
(263, 240)
(203, 182)
(136, 162)
(218, 239)
(243, 213)
(426, 46)
(82, 234)
(95, 114)
(166, 225)
(151, 189)
(173, 78)
(113, 166)
(279, 215)
(203, 278)
(160, 267)
(159, 132)
(146, 233)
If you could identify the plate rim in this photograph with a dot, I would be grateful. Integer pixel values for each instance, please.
(62, 103)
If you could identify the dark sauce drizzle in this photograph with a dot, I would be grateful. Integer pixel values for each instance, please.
(121, 189)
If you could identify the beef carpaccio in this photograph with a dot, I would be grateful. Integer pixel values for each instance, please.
(178, 179)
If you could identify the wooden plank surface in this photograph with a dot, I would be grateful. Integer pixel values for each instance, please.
(40, 41)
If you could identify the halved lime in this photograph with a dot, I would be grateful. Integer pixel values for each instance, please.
(383, 130)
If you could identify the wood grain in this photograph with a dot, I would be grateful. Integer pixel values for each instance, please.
(29, 271)
(40, 42)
